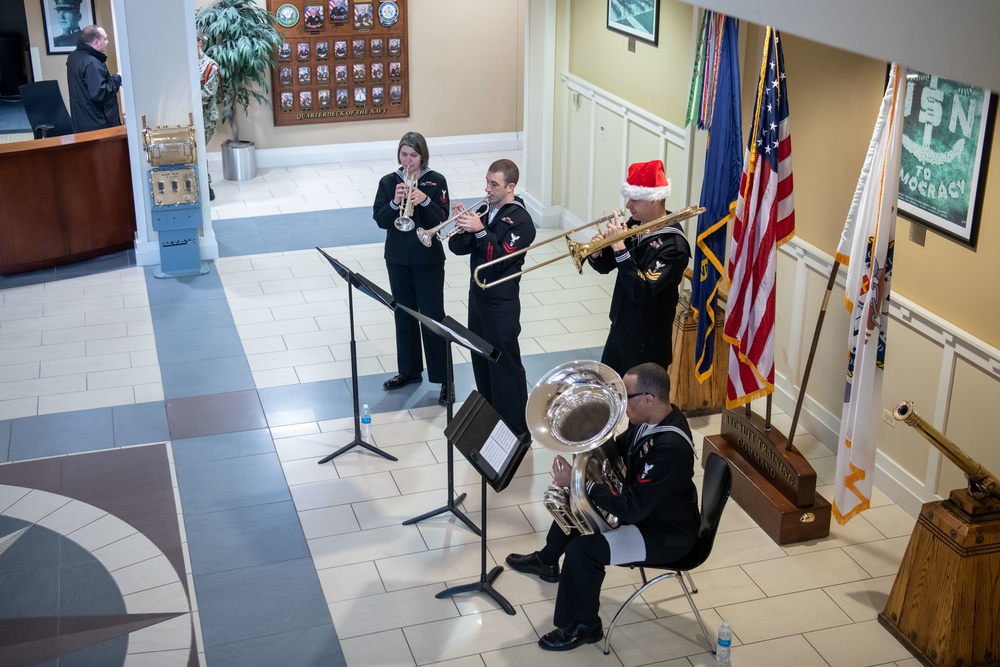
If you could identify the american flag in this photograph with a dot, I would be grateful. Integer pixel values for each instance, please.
(765, 218)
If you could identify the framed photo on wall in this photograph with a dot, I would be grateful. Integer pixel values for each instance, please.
(947, 132)
(635, 18)
(63, 21)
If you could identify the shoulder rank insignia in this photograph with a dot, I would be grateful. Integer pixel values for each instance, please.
(652, 274)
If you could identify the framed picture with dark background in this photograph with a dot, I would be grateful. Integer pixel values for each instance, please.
(63, 20)
(947, 132)
(639, 19)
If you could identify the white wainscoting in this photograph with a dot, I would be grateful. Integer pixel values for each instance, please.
(601, 135)
(953, 344)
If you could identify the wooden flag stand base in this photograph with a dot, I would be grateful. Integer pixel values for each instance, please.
(776, 487)
(945, 602)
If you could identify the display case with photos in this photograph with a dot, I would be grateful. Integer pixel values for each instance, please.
(341, 60)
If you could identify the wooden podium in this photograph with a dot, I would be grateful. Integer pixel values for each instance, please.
(65, 199)
(944, 606)
(777, 488)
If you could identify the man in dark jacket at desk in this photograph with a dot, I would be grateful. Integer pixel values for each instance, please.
(93, 92)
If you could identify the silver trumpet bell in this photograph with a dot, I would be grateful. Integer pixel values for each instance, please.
(576, 408)
(404, 222)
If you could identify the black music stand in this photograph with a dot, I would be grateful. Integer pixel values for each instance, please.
(362, 284)
(496, 452)
(452, 332)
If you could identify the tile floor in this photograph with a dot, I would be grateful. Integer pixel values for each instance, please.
(231, 386)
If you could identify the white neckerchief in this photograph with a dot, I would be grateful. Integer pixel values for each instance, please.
(645, 430)
(666, 230)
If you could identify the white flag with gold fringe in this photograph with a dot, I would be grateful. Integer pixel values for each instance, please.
(866, 246)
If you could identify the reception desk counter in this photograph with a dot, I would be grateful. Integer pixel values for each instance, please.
(64, 199)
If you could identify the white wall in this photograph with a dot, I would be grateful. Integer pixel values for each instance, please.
(160, 75)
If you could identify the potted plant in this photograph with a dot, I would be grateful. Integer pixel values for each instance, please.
(242, 39)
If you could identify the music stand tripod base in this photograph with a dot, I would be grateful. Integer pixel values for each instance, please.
(486, 579)
(357, 443)
(476, 429)
(484, 585)
(451, 332)
(362, 284)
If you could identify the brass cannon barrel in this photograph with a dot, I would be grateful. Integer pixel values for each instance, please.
(981, 482)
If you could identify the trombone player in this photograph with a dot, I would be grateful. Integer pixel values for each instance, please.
(501, 227)
(416, 273)
(657, 507)
(650, 268)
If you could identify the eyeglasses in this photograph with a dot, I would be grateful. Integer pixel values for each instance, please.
(639, 393)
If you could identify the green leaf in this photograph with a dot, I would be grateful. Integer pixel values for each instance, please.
(242, 40)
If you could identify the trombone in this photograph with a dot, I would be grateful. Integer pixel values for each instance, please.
(581, 251)
(427, 236)
(404, 222)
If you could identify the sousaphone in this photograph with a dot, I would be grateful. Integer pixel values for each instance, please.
(576, 408)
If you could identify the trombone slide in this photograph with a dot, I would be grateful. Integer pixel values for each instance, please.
(581, 251)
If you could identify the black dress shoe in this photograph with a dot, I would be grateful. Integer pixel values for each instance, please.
(532, 564)
(446, 397)
(571, 636)
(397, 381)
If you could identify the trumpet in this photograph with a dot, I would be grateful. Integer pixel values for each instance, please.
(404, 222)
(427, 236)
(581, 251)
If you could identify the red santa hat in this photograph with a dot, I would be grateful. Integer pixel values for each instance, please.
(646, 181)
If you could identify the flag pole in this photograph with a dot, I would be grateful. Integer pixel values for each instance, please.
(812, 353)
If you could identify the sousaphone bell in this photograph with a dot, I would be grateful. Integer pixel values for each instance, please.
(576, 408)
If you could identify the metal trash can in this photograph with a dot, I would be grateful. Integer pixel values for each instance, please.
(239, 161)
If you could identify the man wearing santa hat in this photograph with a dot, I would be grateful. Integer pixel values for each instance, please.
(650, 268)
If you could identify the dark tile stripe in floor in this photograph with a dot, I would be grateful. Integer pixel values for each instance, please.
(197, 343)
(210, 391)
(298, 231)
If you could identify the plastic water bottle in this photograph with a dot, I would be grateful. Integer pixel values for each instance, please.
(366, 424)
(724, 644)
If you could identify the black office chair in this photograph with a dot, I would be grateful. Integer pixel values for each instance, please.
(715, 489)
(46, 111)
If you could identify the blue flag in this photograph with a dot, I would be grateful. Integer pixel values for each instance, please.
(719, 191)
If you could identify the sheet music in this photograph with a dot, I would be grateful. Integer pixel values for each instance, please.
(459, 338)
(499, 447)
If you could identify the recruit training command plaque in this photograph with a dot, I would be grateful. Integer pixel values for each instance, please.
(340, 60)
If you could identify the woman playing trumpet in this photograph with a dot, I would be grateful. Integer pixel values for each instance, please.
(416, 273)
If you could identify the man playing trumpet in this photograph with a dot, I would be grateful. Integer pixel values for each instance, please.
(416, 273)
(501, 227)
(650, 268)
(657, 507)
